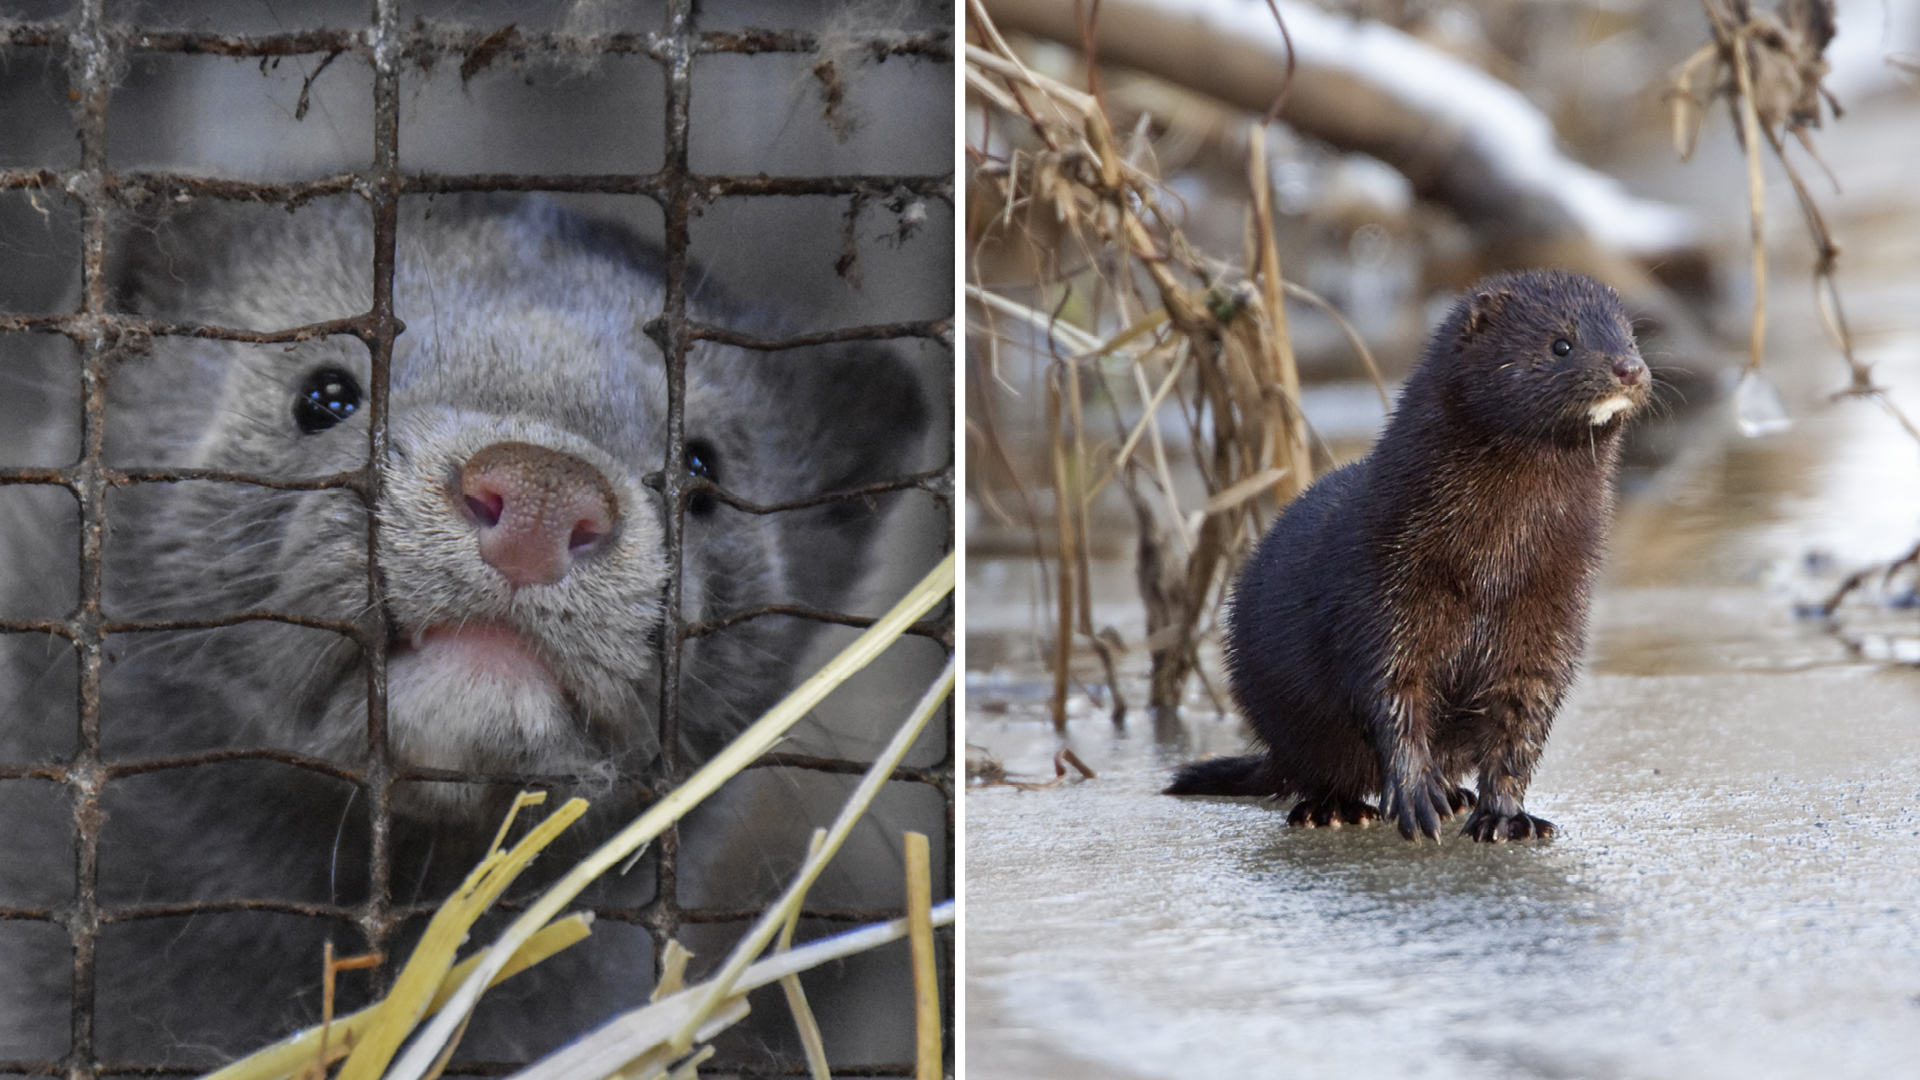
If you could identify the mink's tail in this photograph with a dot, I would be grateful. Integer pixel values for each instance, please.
(1246, 775)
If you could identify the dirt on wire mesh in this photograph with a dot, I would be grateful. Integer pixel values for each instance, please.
(99, 52)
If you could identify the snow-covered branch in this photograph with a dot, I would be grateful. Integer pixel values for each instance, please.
(1464, 138)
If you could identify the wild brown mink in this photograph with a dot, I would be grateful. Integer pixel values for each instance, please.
(1419, 614)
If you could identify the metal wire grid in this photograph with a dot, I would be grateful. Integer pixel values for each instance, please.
(92, 45)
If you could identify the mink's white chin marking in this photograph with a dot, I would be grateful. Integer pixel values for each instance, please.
(1610, 408)
(482, 684)
(477, 697)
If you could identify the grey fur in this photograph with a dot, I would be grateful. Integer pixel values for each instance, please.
(523, 322)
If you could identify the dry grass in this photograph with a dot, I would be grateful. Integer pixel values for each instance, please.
(1768, 66)
(1158, 325)
(432, 997)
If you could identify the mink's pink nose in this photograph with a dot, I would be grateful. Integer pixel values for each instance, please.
(538, 510)
(1630, 370)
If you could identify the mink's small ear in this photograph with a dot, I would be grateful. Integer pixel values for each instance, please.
(1483, 305)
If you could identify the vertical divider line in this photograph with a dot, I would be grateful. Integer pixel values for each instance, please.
(949, 942)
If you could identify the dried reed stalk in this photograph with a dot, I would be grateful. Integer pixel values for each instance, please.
(432, 986)
(1777, 63)
(1769, 66)
(1213, 341)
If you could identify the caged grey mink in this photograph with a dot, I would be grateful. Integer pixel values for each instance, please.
(1418, 615)
(521, 565)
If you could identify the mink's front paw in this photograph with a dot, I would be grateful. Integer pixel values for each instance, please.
(1332, 810)
(1418, 804)
(1491, 827)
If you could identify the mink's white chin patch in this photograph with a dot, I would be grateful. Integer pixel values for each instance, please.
(475, 698)
(1610, 408)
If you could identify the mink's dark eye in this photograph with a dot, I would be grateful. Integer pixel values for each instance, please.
(1561, 346)
(326, 398)
(703, 461)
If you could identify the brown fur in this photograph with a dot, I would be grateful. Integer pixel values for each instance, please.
(1419, 615)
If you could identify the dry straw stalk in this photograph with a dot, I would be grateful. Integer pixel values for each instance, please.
(1189, 331)
(431, 986)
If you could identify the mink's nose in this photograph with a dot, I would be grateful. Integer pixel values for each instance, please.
(539, 511)
(1630, 370)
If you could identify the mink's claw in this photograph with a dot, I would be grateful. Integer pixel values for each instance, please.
(1461, 798)
(1332, 810)
(1492, 828)
(1417, 807)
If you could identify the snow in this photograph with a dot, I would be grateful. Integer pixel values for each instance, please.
(1514, 136)
(1867, 32)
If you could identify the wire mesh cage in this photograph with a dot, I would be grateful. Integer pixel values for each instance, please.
(762, 191)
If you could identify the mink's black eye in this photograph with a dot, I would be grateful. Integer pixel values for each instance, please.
(326, 398)
(703, 461)
(1561, 346)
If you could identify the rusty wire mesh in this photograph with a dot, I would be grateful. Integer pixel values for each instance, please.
(92, 44)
